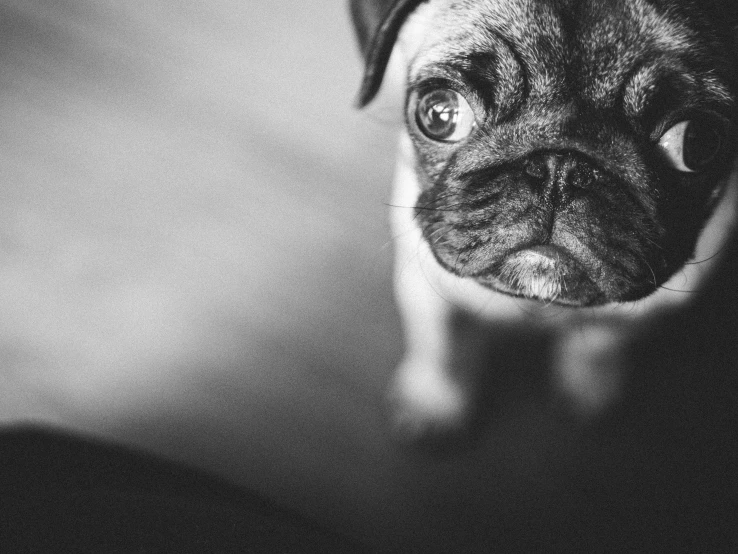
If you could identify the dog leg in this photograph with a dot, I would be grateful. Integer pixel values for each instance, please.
(427, 399)
(589, 365)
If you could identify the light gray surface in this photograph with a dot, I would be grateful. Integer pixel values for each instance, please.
(194, 249)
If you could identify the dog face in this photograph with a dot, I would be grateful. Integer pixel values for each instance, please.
(568, 151)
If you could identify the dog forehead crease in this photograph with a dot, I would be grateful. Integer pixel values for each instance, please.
(668, 86)
(604, 58)
(499, 36)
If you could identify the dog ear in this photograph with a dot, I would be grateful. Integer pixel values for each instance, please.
(377, 24)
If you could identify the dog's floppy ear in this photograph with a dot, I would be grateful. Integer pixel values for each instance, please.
(377, 24)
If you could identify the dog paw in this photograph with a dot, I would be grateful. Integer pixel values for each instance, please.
(426, 406)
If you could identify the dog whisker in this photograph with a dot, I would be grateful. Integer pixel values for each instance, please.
(715, 255)
(677, 290)
(388, 205)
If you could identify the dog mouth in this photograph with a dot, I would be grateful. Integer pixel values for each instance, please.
(546, 273)
(547, 234)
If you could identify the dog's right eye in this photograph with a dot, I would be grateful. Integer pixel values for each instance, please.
(444, 115)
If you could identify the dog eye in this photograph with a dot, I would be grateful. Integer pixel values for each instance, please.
(444, 115)
(690, 145)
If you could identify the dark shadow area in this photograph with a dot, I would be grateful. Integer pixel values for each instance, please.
(658, 473)
(65, 493)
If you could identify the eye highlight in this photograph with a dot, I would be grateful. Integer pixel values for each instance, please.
(689, 146)
(444, 115)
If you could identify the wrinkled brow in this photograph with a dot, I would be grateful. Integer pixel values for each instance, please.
(496, 73)
(653, 80)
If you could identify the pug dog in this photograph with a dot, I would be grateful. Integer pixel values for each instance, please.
(564, 168)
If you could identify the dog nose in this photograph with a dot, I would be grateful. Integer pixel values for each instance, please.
(559, 175)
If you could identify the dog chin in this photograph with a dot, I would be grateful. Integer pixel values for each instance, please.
(546, 274)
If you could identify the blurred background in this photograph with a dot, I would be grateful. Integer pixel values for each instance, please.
(195, 261)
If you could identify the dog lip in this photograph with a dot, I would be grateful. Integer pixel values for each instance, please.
(544, 255)
(539, 271)
(534, 272)
(550, 251)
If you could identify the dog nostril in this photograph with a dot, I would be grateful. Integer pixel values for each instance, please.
(581, 176)
(559, 172)
(536, 168)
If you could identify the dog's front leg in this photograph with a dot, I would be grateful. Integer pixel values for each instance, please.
(589, 364)
(427, 397)
(432, 391)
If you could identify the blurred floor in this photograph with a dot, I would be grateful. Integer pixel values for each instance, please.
(195, 260)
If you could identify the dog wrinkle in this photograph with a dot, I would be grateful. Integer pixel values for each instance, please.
(651, 79)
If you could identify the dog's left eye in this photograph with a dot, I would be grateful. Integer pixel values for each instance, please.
(444, 115)
(690, 145)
